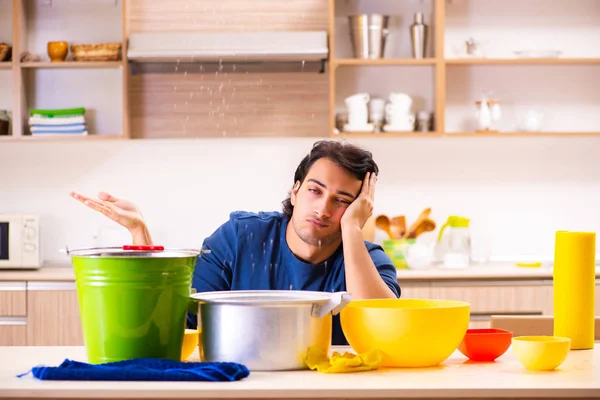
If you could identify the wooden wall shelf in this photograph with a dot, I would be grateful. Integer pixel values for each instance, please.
(393, 61)
(177, 105)
(61, 138)
(72, 64)
(52, 85)
(517, 61)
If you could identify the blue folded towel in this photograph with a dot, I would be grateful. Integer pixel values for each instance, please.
(142, 369)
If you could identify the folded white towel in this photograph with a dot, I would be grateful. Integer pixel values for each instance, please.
(56, 121)
(60, 133)
(73, 128)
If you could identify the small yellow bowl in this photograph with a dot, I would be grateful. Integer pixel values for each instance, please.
(541, 353)
(190, 342)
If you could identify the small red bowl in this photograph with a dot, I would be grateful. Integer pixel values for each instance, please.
(485, 344)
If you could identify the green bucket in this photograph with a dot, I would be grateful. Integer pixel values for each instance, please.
(133, 301)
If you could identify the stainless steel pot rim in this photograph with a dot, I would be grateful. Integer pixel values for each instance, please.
(118, 252)
(264, 297)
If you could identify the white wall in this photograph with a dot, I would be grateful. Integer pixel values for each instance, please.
(521, 190)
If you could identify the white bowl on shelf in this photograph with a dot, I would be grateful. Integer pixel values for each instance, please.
(538, 53)
(357, 128)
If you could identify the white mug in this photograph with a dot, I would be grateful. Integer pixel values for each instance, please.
(399, 119)
(357, 118)
(401, 100)
(358, 99)
(376, 109)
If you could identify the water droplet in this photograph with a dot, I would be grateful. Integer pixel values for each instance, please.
(251, 234)
(291, 287)
(185, 73)
(174, 88)
(271, 242)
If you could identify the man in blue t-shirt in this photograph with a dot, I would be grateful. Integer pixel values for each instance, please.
(316, 243)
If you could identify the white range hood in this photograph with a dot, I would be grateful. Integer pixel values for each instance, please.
(303, 46)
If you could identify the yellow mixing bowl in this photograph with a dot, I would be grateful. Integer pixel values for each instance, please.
(408, 332)
(541, 353)
(190, 341)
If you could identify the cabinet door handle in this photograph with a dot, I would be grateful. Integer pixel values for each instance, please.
(12, 286)
(13, 320)
(51, 286)
(475, 283)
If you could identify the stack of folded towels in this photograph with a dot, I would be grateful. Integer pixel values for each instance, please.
(70, 121)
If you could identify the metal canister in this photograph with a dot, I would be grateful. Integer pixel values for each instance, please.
(368, 33)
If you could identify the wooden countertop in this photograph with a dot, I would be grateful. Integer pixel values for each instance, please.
(577, 377)
(492, 271)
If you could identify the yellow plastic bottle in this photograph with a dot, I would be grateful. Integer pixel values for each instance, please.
(574, 285)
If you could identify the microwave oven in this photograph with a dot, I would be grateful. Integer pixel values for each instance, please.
(20, 241)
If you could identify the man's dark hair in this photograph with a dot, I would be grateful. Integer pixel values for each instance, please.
(353, 159)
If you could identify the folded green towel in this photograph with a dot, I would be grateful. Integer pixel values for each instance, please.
(65, 112)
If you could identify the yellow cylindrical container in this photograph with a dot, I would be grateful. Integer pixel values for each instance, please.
(574, 285)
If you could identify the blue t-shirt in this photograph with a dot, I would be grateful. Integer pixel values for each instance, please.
(250, 252)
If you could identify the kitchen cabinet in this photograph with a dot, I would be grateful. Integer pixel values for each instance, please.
(99, 86)
(13, 311)
(13, 332)
(13, 299)
(489, 297)
(53, 314)
(597, 294)
(444, 83)
(500, 297)
(415, 291)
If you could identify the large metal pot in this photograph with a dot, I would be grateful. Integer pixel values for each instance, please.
(267, 330)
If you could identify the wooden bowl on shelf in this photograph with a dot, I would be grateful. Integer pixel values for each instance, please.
(57, 51)
(5, 52)
(96, 51)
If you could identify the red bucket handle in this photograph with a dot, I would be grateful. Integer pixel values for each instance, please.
(144, 248)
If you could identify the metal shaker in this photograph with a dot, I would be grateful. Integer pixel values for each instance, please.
(418, 36)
